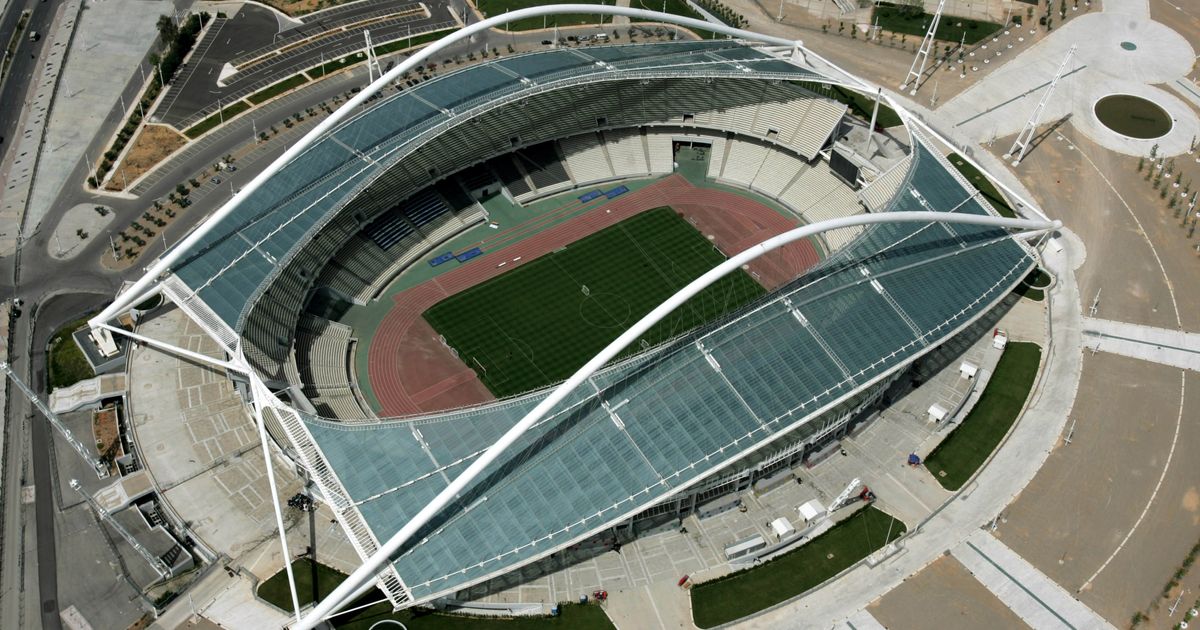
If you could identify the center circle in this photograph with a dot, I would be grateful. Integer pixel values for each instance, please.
(605, 310)
(1133, 116)
(1129, 45)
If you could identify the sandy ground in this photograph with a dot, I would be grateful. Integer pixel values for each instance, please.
(152, 145)
(1120, 265)
(943, 595)
(1090, 493)
(1181, 15)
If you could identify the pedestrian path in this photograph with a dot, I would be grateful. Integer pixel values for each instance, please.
(1159, 345)
(18, 170)
(862, 620)
(1028, 592)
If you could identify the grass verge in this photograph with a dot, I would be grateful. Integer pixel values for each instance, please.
(676, 7)
(492, 8)
(67, 363)
(271, 92)
(966, 448)
(1033, 284)
(409, 42)
(748, 591)
(913, 20)
(202, 127)
(275, 591)
(983, 185)
(509, 329)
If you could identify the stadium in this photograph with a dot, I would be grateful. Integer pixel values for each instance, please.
(561, 296)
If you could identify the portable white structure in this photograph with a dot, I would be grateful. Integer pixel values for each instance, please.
(810, 511)
(782, 528)
(968, 369)
(744, 547)
(937, 413)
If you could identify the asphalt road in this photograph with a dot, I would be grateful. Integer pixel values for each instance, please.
(195, 92)
(24, 63)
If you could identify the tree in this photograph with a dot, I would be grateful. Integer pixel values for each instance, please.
(167, 30)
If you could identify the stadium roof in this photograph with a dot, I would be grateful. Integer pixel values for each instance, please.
(234, 262)
(644, 429)
(650, 427)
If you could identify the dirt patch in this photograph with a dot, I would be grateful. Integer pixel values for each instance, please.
(107, 434)
(151, 146)
(943, 595)
(303, 7)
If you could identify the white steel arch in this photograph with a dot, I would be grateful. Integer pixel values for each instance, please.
(351, 586)
(144, 284)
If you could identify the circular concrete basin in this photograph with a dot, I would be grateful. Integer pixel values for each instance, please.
(1133, 116)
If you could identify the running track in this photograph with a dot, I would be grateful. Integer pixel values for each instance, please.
(411, 372)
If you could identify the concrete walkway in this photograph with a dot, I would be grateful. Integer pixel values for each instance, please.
(97, 69)
(1013, 465)
(862, 620)
(1119, 51)
(1028, 592)
(1159, 345)
(24, 161)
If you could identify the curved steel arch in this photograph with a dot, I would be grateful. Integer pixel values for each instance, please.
(163, 264)
(371, 565)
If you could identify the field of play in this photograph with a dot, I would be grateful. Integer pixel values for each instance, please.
(537, 324)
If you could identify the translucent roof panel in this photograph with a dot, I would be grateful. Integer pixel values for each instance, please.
(279, 217)
(642, 429)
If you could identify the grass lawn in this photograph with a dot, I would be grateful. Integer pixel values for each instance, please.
(983, 185)
(977, 435)
(492, 8)
(916, 22)
(862, 106)
(275, 591)
(536, 325)
(677, 7)
(269, 93)
(227, 112)
(1031, 287)
(67, 363)
(409, 42)
(751, 590)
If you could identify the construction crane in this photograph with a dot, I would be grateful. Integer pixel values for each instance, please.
(101, 469)
(156, 563)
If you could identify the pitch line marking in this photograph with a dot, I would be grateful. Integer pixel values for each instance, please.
(1183, 376)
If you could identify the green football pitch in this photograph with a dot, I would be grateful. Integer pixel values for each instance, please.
(538, 323)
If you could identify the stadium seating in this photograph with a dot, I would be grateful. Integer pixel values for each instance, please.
(879, 192)
(545, 170)
(818, 195)
(716, 158)
(510, 176)
(662, 152)
(743, 162)
(627, 151)
(777, 172)
(586, 158)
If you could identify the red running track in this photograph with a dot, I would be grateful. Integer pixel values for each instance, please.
(412, 372)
